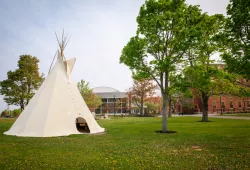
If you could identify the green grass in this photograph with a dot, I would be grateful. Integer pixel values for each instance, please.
(131, 143)
(237, 114)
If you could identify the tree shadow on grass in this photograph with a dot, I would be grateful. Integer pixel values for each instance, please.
(167, 132)
(205, 121)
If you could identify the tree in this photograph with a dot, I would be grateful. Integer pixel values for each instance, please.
(155, 100)
(201, 72)
(16, 112)
(237, 38)
(207, 81)
(21, 84)
(3, 113)
(91, 99)
(140, 91)
(163, 37)
(152, 108)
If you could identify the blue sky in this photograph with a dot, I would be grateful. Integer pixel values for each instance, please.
(99, 30)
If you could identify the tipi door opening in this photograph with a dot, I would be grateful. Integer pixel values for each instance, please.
(82, 125)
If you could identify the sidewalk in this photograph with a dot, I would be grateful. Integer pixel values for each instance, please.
(221, 117)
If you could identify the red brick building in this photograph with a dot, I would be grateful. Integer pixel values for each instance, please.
(216, 104)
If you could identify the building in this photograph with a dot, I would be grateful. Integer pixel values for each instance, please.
(114, 101)
(220, 104)
(216, 104)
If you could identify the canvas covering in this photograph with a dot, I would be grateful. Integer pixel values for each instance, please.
(54, 108)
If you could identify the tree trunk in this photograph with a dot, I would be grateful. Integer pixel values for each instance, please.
(164, 112)
(21, 105)
(169, 107)
(204, 102)
(142, 109)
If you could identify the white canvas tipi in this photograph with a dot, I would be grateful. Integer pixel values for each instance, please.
(56, 107)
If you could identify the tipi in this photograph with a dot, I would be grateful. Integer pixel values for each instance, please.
(57, 108)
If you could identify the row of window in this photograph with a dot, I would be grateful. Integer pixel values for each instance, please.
(232, 104)
(97, 111)
(112, 105)
(111, 100)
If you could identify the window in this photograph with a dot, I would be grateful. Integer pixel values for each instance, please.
(248, 103)
(111, 100)
(231, 104)
(223, 105)
(104, 100)
(214, 105)
(239, 104)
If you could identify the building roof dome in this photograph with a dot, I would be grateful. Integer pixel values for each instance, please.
(104, 89)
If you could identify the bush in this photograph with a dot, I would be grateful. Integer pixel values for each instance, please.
(11, 113)
(16, 112)
(4, 113)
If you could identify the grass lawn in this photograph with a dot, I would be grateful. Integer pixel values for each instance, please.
(237, 114)
(131, 143)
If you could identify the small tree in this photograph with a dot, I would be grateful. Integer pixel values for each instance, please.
(140, 91)
(16, 112)
(91, 99)
(21, 84)
(157, 101)
(4, 113)
(152, 108)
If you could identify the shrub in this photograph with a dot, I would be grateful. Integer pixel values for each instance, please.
(4, 113)
(16, 112)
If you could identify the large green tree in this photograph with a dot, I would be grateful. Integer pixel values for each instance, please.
(163, 37)
(21, 84)
(201, 73)
(91, 99)
(208, 80)
(237, 38)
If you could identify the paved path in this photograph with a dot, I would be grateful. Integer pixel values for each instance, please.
(222, 117)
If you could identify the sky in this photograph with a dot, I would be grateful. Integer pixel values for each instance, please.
(99, 30)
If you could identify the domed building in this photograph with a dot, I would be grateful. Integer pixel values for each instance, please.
(114, 101)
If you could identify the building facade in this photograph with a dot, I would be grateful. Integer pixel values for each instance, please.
(220, 104)
(113, 101)
(216, 104)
